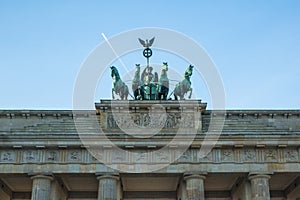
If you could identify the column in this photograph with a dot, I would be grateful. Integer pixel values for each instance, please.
(41, 187)
(194, 186)
(58, 192)
(260, 186)
(108, 186)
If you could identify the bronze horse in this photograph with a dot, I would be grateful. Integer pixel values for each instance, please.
(163, 89)
(184, 86)
(119, 87)
(138, 92)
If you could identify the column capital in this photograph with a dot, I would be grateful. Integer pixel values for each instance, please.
(254, 175)
(45, 175)
(107, 176)
(195, 175)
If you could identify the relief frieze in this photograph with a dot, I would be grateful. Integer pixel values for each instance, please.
(226, 155)
(153, 120)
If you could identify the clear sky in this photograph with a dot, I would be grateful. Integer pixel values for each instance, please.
(254, 44)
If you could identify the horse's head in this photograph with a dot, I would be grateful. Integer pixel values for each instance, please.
(113, 71)
(137, 67)
(165, 66)
(189, 71)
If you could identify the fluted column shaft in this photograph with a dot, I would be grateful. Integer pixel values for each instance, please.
(195, 186)
(41, 187)
(260, 186)
(108, 187)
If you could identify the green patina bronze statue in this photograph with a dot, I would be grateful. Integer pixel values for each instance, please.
(147, 86)
(184, 86)
(163, 88)
(137, 83)
(150, 83)
(119, 87)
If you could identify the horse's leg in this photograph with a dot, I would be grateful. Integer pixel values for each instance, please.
(135, 94)
(142, 93)
(121, 94)
(175, 97)
(191, 92)
(166, 93)
(181, 93)
(112, 93)
(135, 89)
(157, 93)
(125, 92)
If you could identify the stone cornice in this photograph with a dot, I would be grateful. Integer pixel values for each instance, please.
(56, 140)
(87, 113)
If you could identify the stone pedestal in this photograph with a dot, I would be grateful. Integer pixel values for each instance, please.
(108, 187)
(41, 187)
(194, 186)
(260, 186)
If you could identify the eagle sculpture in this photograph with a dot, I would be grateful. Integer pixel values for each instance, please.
(147, 43)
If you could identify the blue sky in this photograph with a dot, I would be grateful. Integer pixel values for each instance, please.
(254, 44)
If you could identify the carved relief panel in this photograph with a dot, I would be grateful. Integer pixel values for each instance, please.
(8, 156)
(74, 155)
